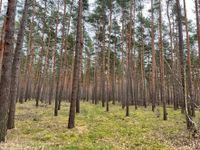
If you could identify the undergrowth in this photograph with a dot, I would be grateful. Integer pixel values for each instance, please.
(96, 129)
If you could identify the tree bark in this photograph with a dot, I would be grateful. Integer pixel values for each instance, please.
(182, 64)
(7, 67)
(162, 74)
(153, 58)
(197, 24)
(142, 67)
(103, 96)
(2, 45)
(122, 63)
(71, 122)
(16, 67)
(189, 63)
(109, 49)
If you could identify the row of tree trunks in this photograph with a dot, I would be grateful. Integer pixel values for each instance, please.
(129, 84)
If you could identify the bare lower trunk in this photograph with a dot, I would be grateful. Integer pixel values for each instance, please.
(153, 58)
(197, 24)
(7, 68)
(162, 74)
(79, 44)
(16, 68)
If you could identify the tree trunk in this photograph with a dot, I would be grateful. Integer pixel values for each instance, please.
(182, 66)
(122, 63)
(80, 79)
(114, 72)
(53, 76)
(40, 62)
(7, 67)
(16, 67)
(108, 67)
(189, 63)
(2, 45)
(197, 24)
(60, 73)
(88, 75)
(162, 74)
(153, 58)
(103, 96)
(142, 67)
(129, 48)
(79, 44)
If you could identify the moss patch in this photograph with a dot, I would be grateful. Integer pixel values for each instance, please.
(37, 128)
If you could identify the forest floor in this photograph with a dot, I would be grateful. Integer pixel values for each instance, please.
(96, 129)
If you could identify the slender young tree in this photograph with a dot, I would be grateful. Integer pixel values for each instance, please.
(142, 67)
(30, 56)
(171, 49)
(134, 72)
(129, 48)
(109, 49)
(60, 69)
(122, 60)
(162, 74)
(103, 66)
(80, 77)
(189, 68)
(53, 76)
(153, 58)
(39, 87)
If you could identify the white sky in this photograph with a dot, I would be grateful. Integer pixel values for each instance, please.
(190, 9)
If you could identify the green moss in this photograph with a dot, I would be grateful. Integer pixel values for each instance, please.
(71, 148)
(31, 130)
(97, 129)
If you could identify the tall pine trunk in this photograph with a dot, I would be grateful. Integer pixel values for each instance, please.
(162, 74)
(71, 122)
(189, 63)
(182, 64)
(197, 24)
(16, 67)
(108, 67)
(7, 67)
(153, 59)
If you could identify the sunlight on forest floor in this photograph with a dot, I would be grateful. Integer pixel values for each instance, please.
(37, 128)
